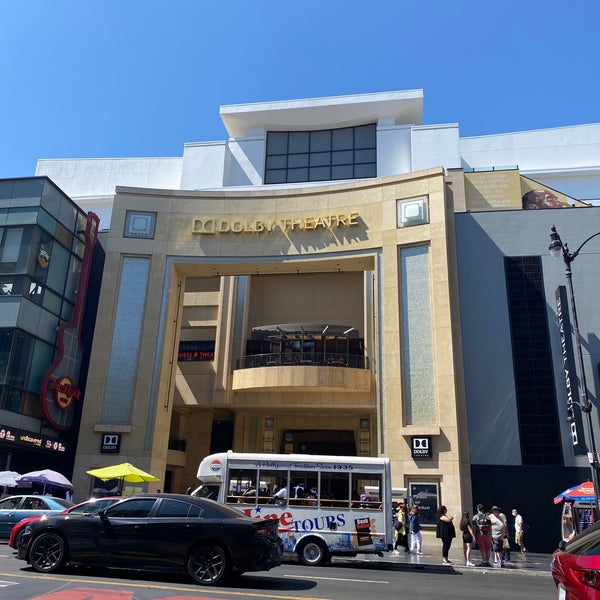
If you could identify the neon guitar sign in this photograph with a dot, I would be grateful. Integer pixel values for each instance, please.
(60, 387)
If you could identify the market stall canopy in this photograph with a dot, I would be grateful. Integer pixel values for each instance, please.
(123, 471)
(8, 478)
(47, 478)
(584, 492)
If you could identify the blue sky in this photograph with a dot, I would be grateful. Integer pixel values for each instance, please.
(119, 78)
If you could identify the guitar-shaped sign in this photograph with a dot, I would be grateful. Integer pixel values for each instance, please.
(60, 387)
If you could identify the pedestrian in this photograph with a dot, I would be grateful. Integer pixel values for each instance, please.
(519, 531)
(445, 531)
(483, 535)
(468, 537)
(505, 541)
(498, 534)
(414, 528)
(400, 537)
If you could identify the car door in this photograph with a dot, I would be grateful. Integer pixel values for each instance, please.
(172, 527)
(120, 534)
(8, 514)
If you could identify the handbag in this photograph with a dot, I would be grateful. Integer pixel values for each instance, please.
(505, 544)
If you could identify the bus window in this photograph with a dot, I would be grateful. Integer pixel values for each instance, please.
(335, 489)
(241, 486)
(366, 491)
(274, 487)
(297, 488)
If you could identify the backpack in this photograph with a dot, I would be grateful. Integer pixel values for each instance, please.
(483, 523)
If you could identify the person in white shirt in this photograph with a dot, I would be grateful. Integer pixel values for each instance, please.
(519, 533)
(280, 496)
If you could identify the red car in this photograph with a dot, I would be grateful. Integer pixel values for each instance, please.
(89, 507)
(576, 566)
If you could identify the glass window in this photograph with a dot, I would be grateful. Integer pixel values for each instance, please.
(367, 491)
(6, 336)
(11, 399)
(173, 508)
(277, 162)
(342, 139)
(345, 157)
(11, 285)
(297, 160)
(22, 215)
(131, 509)
(20, 359)
(320, 141)
(365, 137)
(319, 174)
(43, 354)
(241, 487)
(58, 268)
(289, 153)
(278, 142)
(298, 142)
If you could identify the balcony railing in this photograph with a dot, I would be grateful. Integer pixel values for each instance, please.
(286, 359)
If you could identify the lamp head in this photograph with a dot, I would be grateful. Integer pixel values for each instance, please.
(556, 245)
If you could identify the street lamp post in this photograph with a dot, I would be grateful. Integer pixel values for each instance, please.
(558, 249)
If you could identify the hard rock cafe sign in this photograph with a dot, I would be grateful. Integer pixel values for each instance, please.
(60, 390)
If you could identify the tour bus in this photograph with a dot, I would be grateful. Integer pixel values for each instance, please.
(321, 501)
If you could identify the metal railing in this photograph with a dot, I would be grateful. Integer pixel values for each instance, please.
(287, 359)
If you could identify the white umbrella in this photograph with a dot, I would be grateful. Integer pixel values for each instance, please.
(8, 478)
(47, 478)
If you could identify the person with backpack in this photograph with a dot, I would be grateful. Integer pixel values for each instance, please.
(482, 526)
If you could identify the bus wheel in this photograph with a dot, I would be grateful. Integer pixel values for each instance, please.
(313, 553)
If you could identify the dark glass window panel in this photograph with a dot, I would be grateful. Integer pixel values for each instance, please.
(298, 142)
(11, 399)
(342, 158)
(320, 174)
(534, 379)
(297, 175)
(343, 172)
(297, 160)
(278, 176)
(368, 170)
(320, 159)
(6, 336)
(277, 162)
(320, 141)
(342, 139)
(365, 137)
(20, 359)
(365, 156)
(277, 142)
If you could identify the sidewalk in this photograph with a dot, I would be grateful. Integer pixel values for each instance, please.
(530, 563)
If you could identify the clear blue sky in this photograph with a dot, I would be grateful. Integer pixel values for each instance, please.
(122, 78)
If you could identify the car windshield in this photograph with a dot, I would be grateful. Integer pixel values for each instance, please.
(586, 543)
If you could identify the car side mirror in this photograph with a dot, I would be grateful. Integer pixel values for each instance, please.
(102, 515)
(562, 545)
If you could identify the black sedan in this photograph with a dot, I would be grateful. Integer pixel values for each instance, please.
(156, 532)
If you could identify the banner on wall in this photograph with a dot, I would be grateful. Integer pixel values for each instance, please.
(509, 190)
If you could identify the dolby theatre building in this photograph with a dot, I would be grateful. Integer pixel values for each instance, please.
(291, 289)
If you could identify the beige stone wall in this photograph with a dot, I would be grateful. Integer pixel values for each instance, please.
(293, 274)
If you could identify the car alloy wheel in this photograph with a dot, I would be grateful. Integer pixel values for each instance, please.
(208, 564)
(47, 553)
(313, 553)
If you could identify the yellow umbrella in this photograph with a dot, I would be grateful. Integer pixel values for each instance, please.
(124, 471)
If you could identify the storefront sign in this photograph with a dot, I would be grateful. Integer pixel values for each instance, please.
(28, 439)
(427, 497)
(211, 225)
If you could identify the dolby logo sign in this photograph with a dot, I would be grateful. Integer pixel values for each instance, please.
(421, 447)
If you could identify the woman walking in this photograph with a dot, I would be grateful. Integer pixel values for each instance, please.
(445, 531)
(468, 537)
(414, 528)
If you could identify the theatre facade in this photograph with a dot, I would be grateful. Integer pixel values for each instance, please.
(319, 320)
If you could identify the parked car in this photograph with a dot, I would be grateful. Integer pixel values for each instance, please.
(576, 566)
(15, 508)
(156, 532)
(89, 507)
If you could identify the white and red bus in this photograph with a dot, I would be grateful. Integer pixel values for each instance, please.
(321, 501)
